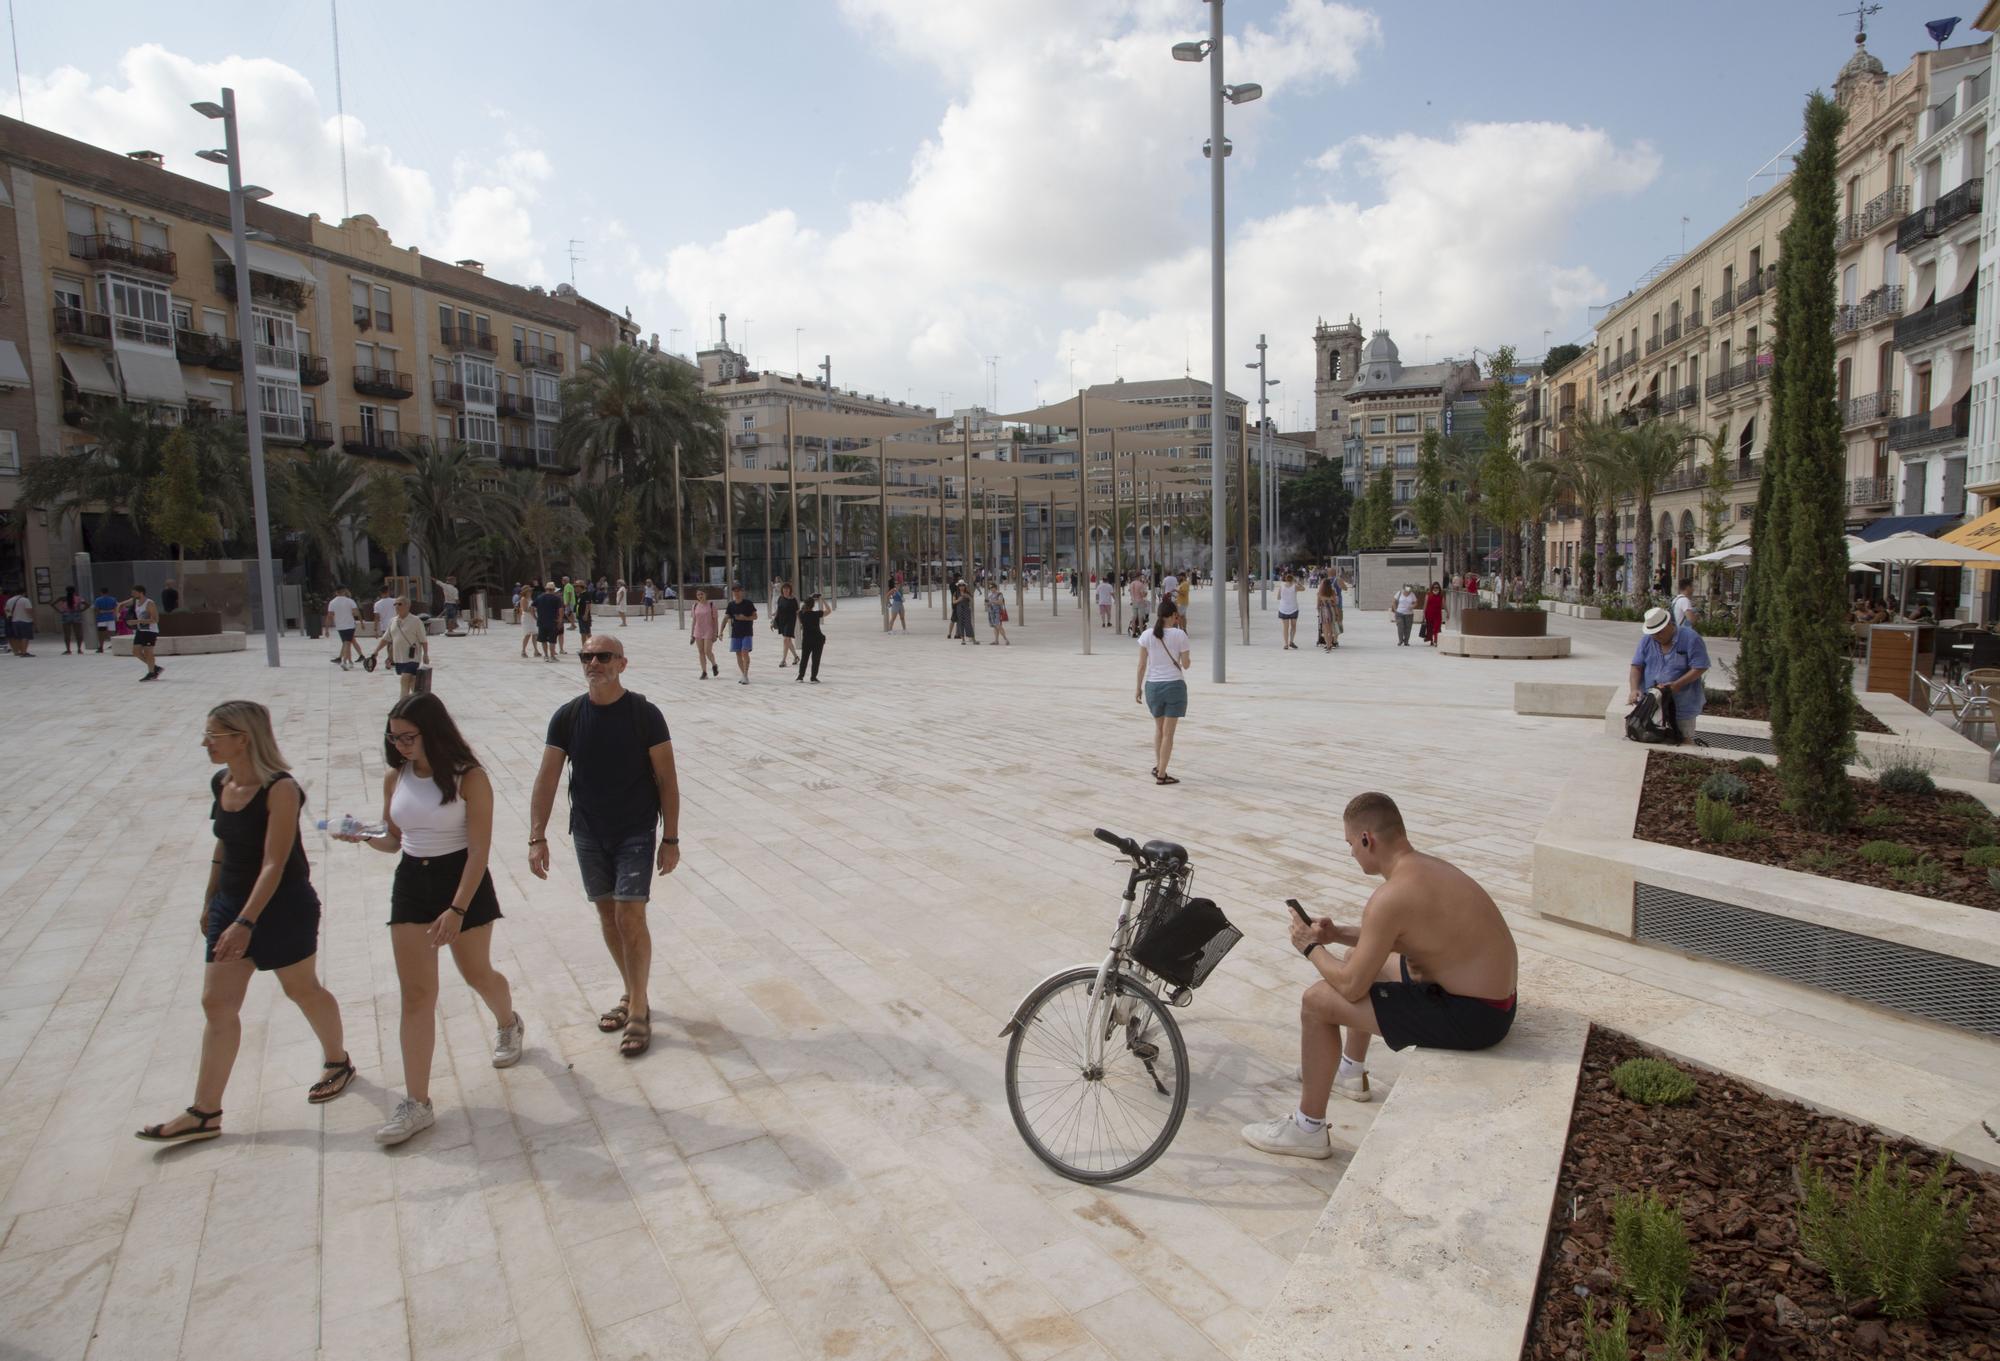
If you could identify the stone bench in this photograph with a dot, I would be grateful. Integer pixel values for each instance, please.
(1453, 644)
(1431, 1246)
(1913, 736)
(187, 645)
(1563, 699)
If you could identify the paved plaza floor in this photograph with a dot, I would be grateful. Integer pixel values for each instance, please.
(815, 1159)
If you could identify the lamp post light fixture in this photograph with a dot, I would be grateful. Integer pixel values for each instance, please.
(240, 193)
(1219, 94)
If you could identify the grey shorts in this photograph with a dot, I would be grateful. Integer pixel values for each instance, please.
(1166, 699)
(620, 869)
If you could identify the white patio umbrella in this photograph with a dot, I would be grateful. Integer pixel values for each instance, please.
(1738, 554)
(1922, 548)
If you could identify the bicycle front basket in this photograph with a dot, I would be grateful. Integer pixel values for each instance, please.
(1183, 939)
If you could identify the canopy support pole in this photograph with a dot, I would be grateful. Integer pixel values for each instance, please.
(680, 564)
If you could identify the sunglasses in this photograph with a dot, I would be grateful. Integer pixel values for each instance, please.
(401, 739)
(588, 657)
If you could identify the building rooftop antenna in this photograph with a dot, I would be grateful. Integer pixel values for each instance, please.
(574, 260)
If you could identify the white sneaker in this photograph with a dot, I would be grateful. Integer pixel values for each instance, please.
(507, 1043)
(411, 1118)
(1353, 1088)
(1283, 1136)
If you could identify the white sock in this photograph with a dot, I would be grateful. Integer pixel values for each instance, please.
(1348, 1068)
(1307, 1123)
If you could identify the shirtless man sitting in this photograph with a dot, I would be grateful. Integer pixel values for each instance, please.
(1432, 964)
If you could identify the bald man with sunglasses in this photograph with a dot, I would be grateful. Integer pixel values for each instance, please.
(623, 792)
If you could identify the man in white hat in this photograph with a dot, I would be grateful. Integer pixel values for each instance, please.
(1674, 657)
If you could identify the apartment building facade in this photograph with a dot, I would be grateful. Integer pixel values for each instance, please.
(1387, 407)
(1549, 414)
(127, 294)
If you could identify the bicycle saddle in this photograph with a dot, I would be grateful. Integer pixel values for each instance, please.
(1165, 850)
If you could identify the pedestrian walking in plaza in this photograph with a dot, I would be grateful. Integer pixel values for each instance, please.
(812, 637)
(20, 613)
(1329, 636)
(1106, 598)
(619, 598)
(546, 609)
(385, 612)
(961, 615)
(621, 789)
(1288, 611)
(584, 614)
(448, 589)
(70, 610)
(896, 615)
(145, 617)
(785, 621)
(524, 617)
(437, 810)
(106, 609)
(408, 645)
(703, 636)
(742, 616)
(1162, 682)
(1434, 613)
(259, 914)
(996, 613)
(1405, 612)
(340, 616)
(1342, 588)
(649, 595)
(1137, 597)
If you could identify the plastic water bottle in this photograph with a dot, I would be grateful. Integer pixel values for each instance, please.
(349, 825)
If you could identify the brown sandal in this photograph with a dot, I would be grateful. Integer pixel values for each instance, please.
(638, 1036)
(1164, 779)
(338, 1075)
(614, 1019)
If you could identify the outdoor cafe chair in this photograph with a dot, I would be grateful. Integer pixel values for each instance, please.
(1978, 700)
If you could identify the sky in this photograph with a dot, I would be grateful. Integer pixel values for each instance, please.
(994, 201)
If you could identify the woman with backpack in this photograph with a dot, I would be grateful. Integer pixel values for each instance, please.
(1162, 682)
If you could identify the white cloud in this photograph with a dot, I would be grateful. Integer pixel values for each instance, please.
(1060, 201)
(292, 147)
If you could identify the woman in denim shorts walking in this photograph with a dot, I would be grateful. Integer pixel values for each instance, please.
(1162, 682)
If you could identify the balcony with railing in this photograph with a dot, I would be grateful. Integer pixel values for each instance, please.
(1652, 345)
(117, 251)
(373, 382)
(516, 406)
(1876, 406)
(467, 340)
(1869, 491)
(1917, 432)
(538, 357)
(1723, 302)
(369, 442)
(276, 356)
(1672, 334)
(1756, 283)
(312, 370)
(368, 319)
(1875, 307)
(1884, 208)
(318, 435)
(81, 327)
(1938, 320)
(1746, 374)
(280, 428)
(447, 393)
(1692, 319)
(279, 291)
(209, 351)
(548, 408)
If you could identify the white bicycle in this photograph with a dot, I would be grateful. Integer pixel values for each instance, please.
(1097, 1072)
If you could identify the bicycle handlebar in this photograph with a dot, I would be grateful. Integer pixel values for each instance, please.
(1124, 843)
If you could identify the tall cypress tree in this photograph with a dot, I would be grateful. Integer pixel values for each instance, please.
(1812, 695)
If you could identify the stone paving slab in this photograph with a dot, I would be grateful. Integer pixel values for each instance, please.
(815, 1159)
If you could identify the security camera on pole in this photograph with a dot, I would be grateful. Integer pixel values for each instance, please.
(239, 238)
(1219, 93)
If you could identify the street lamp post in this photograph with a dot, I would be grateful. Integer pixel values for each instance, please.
(239, 193)
(1216, 151)
(1266, 497)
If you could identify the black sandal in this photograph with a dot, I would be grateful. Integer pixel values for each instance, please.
(638, 1036)
(1164, 779)
(338, 1075)
(152, 1134)
(614, 1019)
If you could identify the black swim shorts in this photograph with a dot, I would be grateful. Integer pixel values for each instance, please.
(1426, 1016)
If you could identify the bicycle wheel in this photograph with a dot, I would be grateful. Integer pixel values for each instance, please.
(1096, 1123)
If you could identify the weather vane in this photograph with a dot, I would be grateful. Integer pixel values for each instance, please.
(1861, 11)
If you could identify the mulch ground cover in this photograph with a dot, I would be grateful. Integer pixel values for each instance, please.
(1931, 825)
(1727, 1161)
(1724, 704)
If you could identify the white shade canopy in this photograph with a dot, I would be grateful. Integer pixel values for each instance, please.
(1909, 547)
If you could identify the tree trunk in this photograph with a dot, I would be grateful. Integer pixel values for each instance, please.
(1586, 567)
(1643, 545)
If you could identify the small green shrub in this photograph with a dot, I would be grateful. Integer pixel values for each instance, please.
(1983, 857)
(1879, 817)
(1927, 872)
(1752, 765)
(1905, 777)
(1892, 1236)
(1653, 1082)
(1821, 862)
(1723, 787)
(1981, 834)
(1964, 808)
(1715, 820)
(1649, 1243)
(1607, 1341)
(1887, 853)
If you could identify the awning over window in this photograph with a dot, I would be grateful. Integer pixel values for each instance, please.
(90, 374)
(265, 260)
(13, 373)
(1934, 525)
(151, 377)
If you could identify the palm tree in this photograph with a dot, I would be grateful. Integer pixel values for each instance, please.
(1642, 457)
(110, 473)
(537, 523)
(1541, 485)
(318, 496)
(444, 509)
(1590, 475)
(1460, 462)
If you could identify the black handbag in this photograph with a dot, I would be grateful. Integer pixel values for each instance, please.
(1652, 719)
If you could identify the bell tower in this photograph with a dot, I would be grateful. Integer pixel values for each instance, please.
(1337, 363)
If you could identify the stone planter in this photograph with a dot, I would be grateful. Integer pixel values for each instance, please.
(1504, 623)
(190, 623)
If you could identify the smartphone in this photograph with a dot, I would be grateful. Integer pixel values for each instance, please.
(1300, 912)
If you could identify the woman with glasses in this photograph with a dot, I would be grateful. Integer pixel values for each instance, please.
(259, 914)
(437, 809)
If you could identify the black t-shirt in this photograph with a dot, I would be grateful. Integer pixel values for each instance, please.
(785, 613)
(809, 624)
(612, 793)
(741, 614)
(548, 609)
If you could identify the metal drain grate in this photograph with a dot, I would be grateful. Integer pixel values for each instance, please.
(1730, 741)
(1938, 987)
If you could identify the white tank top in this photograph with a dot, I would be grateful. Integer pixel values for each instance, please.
(430, 826)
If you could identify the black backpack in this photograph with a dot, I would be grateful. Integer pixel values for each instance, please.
(1652, 719)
